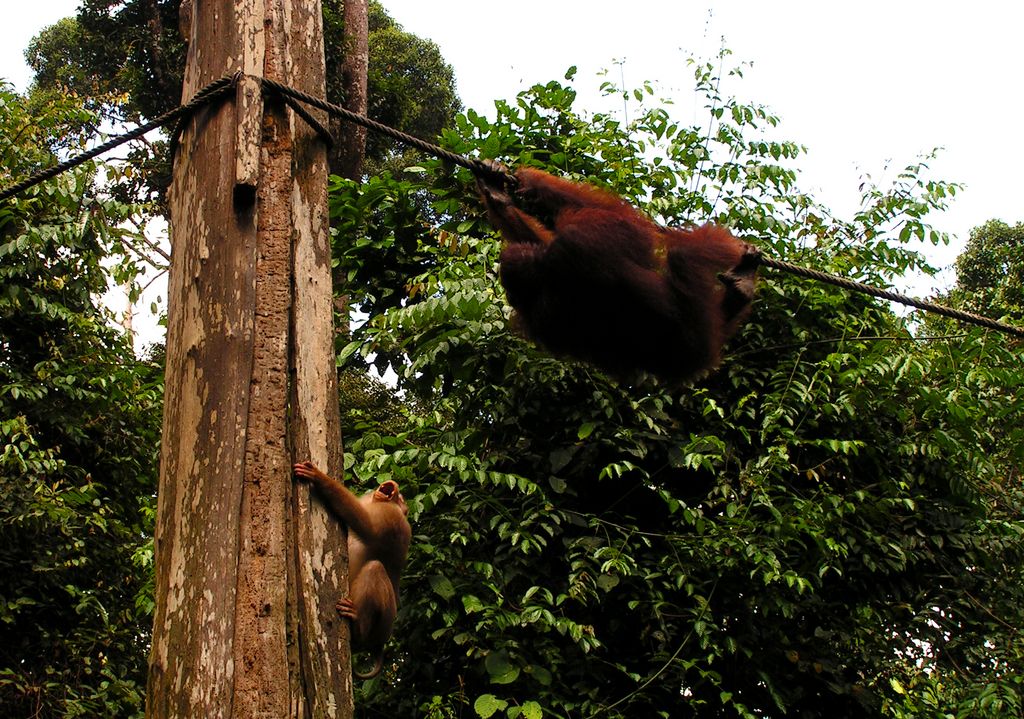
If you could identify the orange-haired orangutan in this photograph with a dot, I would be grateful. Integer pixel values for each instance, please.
(378, 542)
(603, 283)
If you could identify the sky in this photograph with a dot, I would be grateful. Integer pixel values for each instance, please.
(864, 85)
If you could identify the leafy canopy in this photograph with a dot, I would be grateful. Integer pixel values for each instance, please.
(79, 427)
(827, 526)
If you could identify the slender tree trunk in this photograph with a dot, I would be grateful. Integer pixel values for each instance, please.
(350, 149)
(248, 568)
(156, 55)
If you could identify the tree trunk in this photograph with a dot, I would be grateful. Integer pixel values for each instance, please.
(351, 146)
(248, 568)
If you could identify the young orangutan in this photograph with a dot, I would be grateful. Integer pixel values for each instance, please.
(603, 283)
(378, 542)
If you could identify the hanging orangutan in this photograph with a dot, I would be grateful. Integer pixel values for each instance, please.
(600, 282)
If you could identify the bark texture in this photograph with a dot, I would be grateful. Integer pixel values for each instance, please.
(248, 567)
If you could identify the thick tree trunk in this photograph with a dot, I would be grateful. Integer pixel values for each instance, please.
(248, 568)
(351, 146)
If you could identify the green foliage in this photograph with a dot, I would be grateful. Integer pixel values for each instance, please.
(829, 525)
(79, 427)
(109, 49)
(54, 57)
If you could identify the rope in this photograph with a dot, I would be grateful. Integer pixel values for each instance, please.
(494, 171)
(891, 296)
(477, 167)
(216, 89)
(323, 132)
(483, 169)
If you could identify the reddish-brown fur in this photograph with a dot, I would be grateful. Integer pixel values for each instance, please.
(605, 284)
(378, 542)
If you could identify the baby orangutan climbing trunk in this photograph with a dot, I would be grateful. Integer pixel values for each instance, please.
(378, 542)
(599, 281)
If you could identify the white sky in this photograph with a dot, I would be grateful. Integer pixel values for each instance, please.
(859, 84)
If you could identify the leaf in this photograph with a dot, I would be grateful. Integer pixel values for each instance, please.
(487, 704)
(558, 484)
(542, 675)
(561, 457)
(442, 586)
(343, 356)
(500, 669)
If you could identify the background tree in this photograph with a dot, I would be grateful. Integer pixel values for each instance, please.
(990, 271)
(79, 428)
(346, 157)
(411, 88)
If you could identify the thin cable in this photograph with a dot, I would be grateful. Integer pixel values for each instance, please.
(891, 296)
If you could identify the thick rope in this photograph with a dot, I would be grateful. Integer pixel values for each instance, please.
(216, 89)
(493, 171)
(487, 170)
(478, 167)
(318, 127)
(891, 296)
